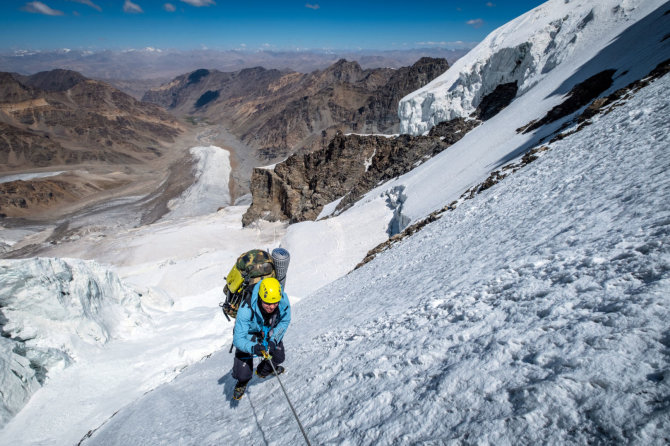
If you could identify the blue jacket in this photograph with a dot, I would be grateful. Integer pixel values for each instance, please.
(249, 322)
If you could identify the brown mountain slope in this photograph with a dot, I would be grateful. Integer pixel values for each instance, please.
(61, 121)
(78, 120)
(281, 112)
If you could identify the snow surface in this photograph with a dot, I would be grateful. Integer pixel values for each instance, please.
(535, 313)
(28, 176)
(618, 37)
(213, 171)
(53, 310)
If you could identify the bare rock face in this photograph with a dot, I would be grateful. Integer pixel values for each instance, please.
(495, 101)
(298, 188)
(278, 113)
(580, 95)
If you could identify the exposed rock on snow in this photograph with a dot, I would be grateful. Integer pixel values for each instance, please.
(49, 310)
(299, 188)
(495, 101)
(580, 95)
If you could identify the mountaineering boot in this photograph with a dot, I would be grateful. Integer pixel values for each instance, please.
(240, 387)
(263, 374)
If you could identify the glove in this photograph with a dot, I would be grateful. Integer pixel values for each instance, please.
(258, 350)
(272, 346)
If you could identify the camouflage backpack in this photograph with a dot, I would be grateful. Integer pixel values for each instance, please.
(249, 269)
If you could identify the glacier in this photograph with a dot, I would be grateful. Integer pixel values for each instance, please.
(50, 311)
(557, 34)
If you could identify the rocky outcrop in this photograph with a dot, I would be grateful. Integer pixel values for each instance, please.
(495, 101)
(579, 96)
(279, 113)
(298, 188)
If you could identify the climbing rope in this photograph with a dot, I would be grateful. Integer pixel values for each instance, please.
(304, 434)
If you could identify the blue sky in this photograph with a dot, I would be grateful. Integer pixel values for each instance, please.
(251, 25)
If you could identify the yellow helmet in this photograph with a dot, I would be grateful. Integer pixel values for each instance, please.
(270, 290)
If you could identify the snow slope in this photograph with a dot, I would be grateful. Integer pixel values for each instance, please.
(535, 48)
(508, 305)
(535, 313)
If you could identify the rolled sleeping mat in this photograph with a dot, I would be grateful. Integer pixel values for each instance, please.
(281, 259)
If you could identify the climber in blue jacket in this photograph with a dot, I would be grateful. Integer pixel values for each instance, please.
(259, 329)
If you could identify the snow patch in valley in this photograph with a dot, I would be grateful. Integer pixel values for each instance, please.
(210, 191)
(28, 176)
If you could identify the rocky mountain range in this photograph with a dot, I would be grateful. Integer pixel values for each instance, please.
(298, 188)
(89, 133)
(280, 112)
(149, 64)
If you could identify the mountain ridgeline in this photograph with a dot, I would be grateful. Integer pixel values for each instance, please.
(281, 112)
(71, 115)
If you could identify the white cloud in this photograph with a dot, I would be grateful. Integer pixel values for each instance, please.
(314, 6)
(132, 7)
(491, 4)
(475, 23)
(88, 3)
(41, 8)
(199, 3)
(169, 7)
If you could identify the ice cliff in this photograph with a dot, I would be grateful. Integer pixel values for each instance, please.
(50, 310)
(522, 51)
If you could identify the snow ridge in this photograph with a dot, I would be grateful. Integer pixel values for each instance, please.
(523, 51)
